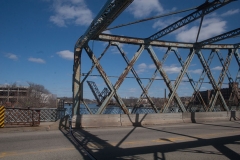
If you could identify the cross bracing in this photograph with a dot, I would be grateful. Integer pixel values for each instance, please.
(184, 53)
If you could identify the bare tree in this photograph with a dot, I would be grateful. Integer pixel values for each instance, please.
(38, 97)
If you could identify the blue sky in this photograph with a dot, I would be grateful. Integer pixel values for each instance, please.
(37, 39)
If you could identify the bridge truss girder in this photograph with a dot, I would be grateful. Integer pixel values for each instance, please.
(108, 15)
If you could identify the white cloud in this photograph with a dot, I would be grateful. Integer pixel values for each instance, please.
(172, 69)
(141, 68)
(11, 56)
(107, 32)
(230, 12)
(66, 54)
(210, 27)
(143, 8)
(71, 12)
(196, 71)
(36, 60)
(152, 66)
(162, 23)
(218, 68)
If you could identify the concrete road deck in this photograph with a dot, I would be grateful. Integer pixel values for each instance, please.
(191, 141)
(219, 140)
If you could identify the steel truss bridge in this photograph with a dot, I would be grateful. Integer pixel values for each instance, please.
(110, 11)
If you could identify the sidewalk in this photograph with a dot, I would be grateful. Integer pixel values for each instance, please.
(44, 126)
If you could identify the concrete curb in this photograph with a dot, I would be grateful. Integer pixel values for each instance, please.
(44, 126)
(111, 120)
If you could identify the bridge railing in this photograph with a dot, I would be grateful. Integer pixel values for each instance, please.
(22, 116)
(32, 116)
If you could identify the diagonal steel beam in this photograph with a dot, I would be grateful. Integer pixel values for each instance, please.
(107, 81)
(200, 81)
(120, 80)
(164, 75)
(221, 37)
(94, 65)
(202, 10)
(179, 78)
(136, 76)
(209, 74)
(151, 80)
(221, 79)
(189, 77)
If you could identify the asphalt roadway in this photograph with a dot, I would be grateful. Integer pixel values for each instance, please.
(218, 140)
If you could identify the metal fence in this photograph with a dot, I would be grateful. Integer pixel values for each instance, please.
(32, 116)
(51, 114)
(22, 116)
(147, 110)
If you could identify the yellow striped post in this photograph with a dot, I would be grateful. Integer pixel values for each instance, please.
(2, 112)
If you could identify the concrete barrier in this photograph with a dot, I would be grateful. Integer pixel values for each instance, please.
(234, 115)
(196, 117)
(108, 120)
(238, 115)
(104, 120)
(150, 119)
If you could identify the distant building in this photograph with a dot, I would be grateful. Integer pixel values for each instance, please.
(230, 95)
(12, 95)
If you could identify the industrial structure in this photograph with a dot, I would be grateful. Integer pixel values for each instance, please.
(110, 11)
(230, 95)
(12, 95)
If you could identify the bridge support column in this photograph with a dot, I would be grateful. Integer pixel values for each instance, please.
(77, 89)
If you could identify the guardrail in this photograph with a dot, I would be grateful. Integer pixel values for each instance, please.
(30, 116)
(22, 116)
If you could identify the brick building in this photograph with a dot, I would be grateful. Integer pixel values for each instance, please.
(231, 95)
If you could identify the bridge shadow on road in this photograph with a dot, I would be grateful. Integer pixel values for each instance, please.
(103, 149)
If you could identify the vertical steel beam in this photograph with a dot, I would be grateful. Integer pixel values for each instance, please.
(77, 89)
(136, 76)
(164, 75)
(209, 74)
